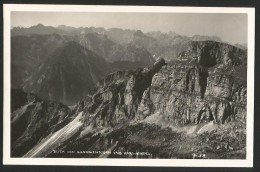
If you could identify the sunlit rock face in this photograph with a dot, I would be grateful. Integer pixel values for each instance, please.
(202, 87)
(117, 97)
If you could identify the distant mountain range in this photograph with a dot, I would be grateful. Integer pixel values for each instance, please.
(46, 59)
(166, 45)
(45, 62)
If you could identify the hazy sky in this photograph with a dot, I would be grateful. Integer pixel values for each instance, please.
(229, 27)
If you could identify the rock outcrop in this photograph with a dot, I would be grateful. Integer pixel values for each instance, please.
(117, 97)
(201, 88)
(191, 94)
(204, 90)
(33, 119)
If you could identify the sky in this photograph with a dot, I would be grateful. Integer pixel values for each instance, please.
(229, 27)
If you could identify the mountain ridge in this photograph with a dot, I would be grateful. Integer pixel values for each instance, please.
(116, 34)
(167, 106)
(30, 53)
(70, 67)
(88, 90)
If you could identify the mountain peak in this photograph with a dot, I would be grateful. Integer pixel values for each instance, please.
(138, 33)
(39, 25)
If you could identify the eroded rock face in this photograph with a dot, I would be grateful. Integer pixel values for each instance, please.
(182, 95)
(33, 119)
(194, 91)
(116, 98)
(201, 88)
(210, 53)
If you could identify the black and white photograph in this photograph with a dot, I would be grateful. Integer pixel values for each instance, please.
(147, 83)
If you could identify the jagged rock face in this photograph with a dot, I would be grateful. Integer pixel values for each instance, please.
(210, 53)
(117, 97)
(182, 95)
(193, 93)
(33, 119)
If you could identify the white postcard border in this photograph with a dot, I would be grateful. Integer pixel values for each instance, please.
(248, 162)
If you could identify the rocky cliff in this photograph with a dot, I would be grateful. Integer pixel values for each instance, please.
(117, 97)
(33, 119)
(196, 104)
(192, 94)
(202, 88)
